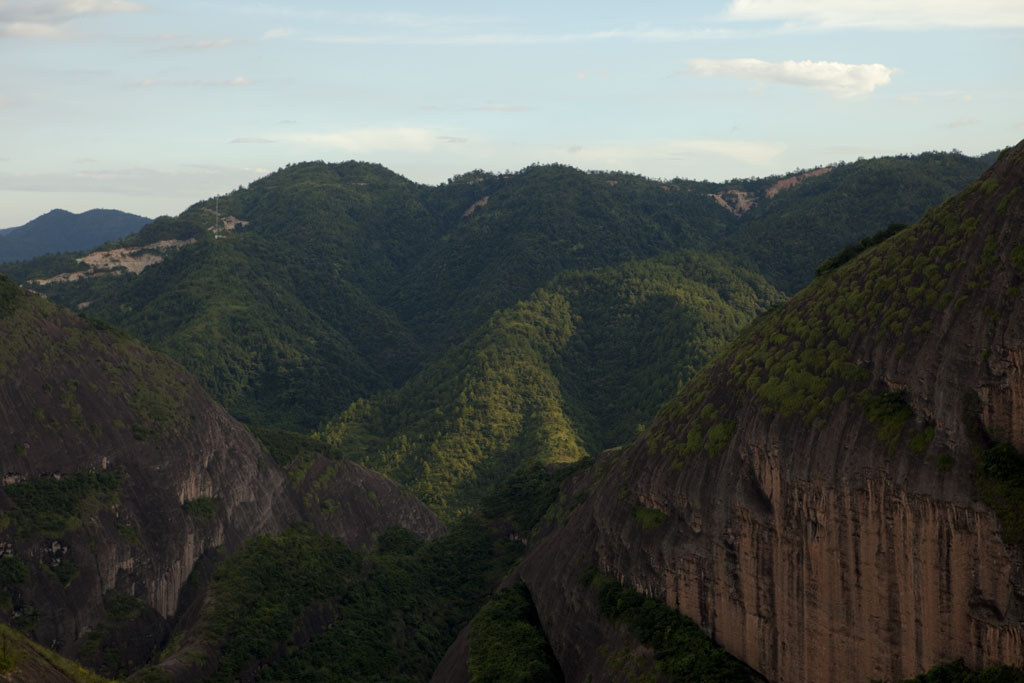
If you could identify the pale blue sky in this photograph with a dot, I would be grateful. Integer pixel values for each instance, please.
(151, 105)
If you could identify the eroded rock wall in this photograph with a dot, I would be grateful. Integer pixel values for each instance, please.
(836, 533)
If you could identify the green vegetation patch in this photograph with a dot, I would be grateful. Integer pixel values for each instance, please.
(121, 607)
(13, 572)
(999, 482)
(852, 250)
(524, 497)
(1017, 259)
(303, 606)
(683, 652)
(18, 653)
(9, 294)
(289, 448)
(507, 642)
(888, 411)
(649, 518)
(990, 185)
(1007, 199)
(52, 506)
(204, 507)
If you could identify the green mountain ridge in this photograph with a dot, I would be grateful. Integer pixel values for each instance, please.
(570, 371)
(337, 281)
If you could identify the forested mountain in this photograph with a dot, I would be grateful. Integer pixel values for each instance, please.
(476, 341)
(325, 283)
(575, 368)
(60, 231)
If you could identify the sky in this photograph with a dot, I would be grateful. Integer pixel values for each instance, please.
(149, 106)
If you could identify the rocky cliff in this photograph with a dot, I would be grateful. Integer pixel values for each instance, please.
(120, 473)
(836, 498)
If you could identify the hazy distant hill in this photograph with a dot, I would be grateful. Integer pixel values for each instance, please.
(61, 230)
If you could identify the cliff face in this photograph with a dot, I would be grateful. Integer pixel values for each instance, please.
(120, 473)
(817, 492)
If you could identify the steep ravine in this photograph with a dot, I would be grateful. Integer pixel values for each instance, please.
(820, 485)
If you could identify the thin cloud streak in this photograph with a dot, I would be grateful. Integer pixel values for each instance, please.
(882, 14)
(29, 30)
(842, 80)
(509, 108)
(513, 39)
(237, 81)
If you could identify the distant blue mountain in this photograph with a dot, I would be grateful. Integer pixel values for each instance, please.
(61, 230)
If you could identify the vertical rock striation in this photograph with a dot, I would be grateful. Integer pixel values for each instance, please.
(822, 483)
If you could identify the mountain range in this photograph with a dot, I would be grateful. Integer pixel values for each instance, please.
(479, 343)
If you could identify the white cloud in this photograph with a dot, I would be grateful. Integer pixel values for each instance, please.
(894, 14)
(361, 140)
(46, 18)
(29, 29)
(842, 80)
(278, 33)
(96, 6)
(259, 141)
